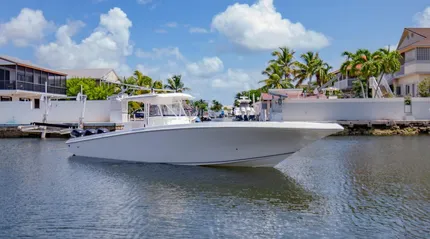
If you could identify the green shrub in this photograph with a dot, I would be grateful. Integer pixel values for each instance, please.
(424, 88)
(408, 100)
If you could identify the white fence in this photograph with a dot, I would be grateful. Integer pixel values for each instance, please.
(354, 109)
(16, 112)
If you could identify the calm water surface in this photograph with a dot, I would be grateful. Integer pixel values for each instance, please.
(338, 187)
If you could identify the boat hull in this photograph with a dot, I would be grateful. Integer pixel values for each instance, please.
(230, 144)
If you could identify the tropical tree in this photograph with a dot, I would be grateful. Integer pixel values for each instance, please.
(389, 61)
(323, 74)
(201, 106)
(424, 87)
(275, 79)
(142, 80)
(175, 83)
(285, 59)
(351, 67)
(90, 88)
(308, 68)
(216, 106)
(236, 103)
(157, 84)
(364, 64)
(250, 93)
(129, 81)
(240, 94)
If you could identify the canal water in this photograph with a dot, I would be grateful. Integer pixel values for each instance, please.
(340, 187)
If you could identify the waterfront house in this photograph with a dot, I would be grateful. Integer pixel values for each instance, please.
(22, 80)
(106, 75)
(414, 46)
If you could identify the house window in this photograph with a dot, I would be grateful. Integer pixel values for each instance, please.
(24, 99)
(423, 54)
(37, 103)
(413, 90)
(408, 90)
(398, 90)
(264, 106)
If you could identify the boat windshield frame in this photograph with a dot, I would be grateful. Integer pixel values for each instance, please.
(165, 104)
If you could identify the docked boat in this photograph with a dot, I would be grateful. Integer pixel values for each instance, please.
(169, 136)
(244, 112)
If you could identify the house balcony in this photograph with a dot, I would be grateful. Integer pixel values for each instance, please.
(28, 86)
(344, 84)
(401, 72)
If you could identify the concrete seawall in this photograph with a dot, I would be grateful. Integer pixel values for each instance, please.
(385, 128)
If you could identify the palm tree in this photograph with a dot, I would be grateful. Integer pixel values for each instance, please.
(390, 62)
(275, 80)
(142, 80)
(351, 68)
(201, 106)
(308, 69)
(157, 84)
(175, 83)
(285, 59)
(129, 81)
(367, 64)
(323, 74)
(216, 106)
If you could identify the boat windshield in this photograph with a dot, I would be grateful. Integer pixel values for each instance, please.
(166, 110)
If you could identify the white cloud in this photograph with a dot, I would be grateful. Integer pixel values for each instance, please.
(146, 70)
(171, 24)
(198, 30)
(208, 66)
(107, 46)
(423, 18)
(236, 79)
(157, 53)
(29, 26)
(160, 31)
(261, 27)
(144, 2)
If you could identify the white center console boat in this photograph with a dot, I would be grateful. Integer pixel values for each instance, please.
(168, 136)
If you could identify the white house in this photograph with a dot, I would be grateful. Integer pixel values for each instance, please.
(21, 80)
(414, 46)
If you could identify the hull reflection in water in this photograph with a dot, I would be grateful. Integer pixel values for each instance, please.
(262, 185)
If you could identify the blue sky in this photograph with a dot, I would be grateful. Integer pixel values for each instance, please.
(219, 46)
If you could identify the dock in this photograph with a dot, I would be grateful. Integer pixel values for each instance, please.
(12, 131)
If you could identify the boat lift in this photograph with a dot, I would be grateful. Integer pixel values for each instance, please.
(44, 127)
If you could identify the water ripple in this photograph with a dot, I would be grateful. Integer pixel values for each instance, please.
(339, 187)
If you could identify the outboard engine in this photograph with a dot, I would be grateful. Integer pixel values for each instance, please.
(90, 132)
(102, 130)
(77, 133)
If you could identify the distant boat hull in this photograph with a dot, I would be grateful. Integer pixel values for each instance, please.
(229, 144)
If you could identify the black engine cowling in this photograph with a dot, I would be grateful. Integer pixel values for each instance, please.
(90, 132)
(77, 133)
(102, 130)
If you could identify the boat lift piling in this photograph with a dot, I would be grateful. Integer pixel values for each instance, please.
(44, 127)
